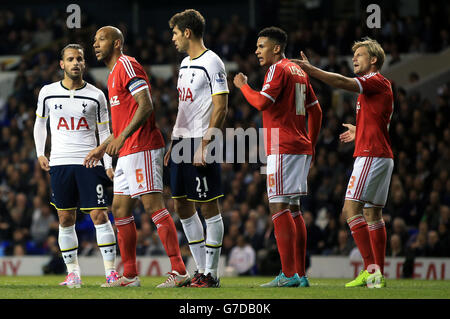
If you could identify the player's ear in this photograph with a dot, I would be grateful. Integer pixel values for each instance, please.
(117, 44)
(277, 49)
(373, 60)
(187, 33)
(61, 64)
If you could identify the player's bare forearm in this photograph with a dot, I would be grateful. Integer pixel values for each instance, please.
(94, 156)
(334, 79)
(106, 142)
(167, 156)
(314, 122)
(218, 116)
(144, 110)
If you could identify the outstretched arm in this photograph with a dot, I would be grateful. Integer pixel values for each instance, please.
(333, 79)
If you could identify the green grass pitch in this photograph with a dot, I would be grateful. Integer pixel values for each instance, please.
(46, 287)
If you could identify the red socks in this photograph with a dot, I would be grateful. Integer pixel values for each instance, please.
(285, 234)
(127, 240)
(300, 240)
(377, 232)
(168, 235)
(360, 233)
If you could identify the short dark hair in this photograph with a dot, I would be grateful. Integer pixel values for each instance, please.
(71, 46)
(189, 19)
(275, 34)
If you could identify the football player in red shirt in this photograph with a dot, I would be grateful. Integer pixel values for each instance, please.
(284, 100)
(140, 147)
(368, 187)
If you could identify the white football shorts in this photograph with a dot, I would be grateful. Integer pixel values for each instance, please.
(370, 180)
(287, 176)
(139, 173)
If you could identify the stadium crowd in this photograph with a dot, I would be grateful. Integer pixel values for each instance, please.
(417, 214)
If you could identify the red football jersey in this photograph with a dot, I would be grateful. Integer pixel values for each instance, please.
(373, 115)
(126, 79)
(288, 87)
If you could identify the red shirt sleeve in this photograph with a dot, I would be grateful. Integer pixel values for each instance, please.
(129, 72)
(257, 100)
(370, 83)
(273, 83)
(311, 98)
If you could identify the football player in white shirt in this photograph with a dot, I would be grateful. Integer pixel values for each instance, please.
(76, 108)
(203, 99)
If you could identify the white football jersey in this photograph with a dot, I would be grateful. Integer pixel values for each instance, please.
(74, 116)
(198, 80)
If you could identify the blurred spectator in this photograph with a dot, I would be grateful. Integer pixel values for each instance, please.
(43, 222)
(399, 228)
(344, 246)
(395, 246)
(331, 240)
(434, 246)
(315, 241)
(417, 247)
(252, 236)
(242, 257)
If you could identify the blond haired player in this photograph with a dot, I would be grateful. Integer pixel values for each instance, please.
(368, 187)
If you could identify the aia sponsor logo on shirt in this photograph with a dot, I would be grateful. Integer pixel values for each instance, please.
(72, 124)
(114, 101)
(185, 94)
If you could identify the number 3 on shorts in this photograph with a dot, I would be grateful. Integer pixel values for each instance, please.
(139, 176)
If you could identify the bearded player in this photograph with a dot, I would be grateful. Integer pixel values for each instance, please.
(76, 109)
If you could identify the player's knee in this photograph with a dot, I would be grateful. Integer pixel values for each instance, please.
(66, 218)
(373, 214)
(276, 207)
(210, 209)
(351, 208)
(98, 216)
(184, 208)
(152, 202)
(119, 210)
